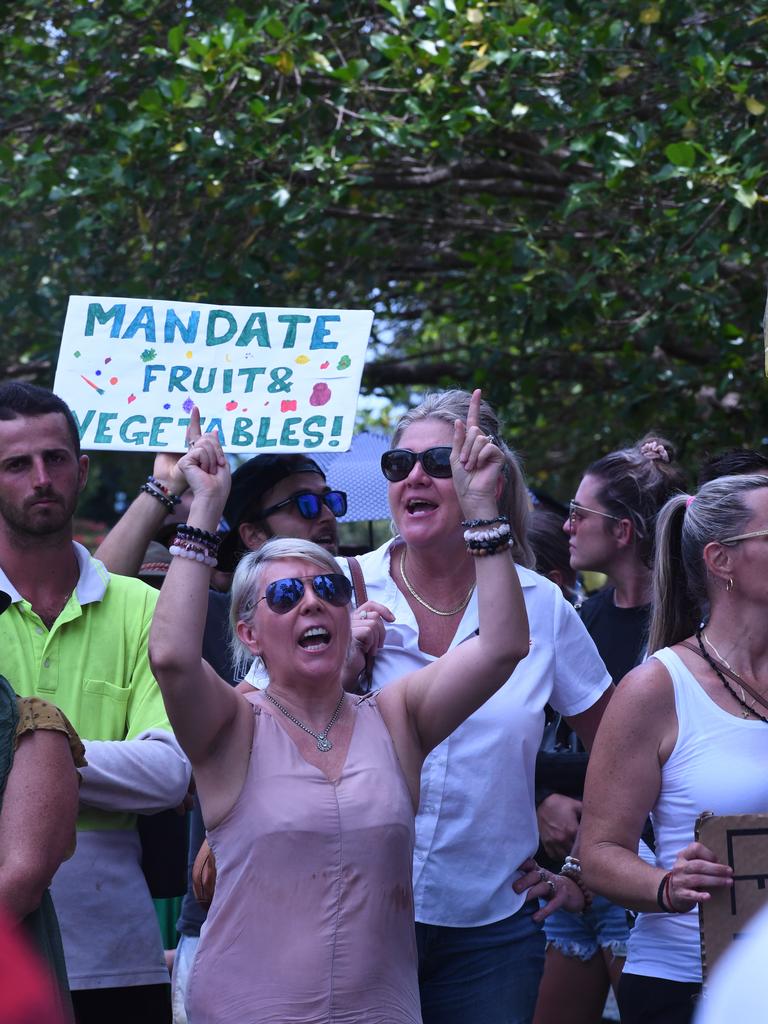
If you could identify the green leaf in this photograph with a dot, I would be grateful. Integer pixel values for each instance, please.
(175, 39)
(681, 154)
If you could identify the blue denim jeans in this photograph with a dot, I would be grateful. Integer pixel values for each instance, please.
(484, 975)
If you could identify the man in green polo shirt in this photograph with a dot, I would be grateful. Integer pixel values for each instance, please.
(77, 636)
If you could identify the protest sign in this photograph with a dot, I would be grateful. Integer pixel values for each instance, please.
(265, 378)
(740, 840)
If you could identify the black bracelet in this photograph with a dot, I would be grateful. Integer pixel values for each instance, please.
(470, 524)
(161, 487)
(148, 488)
(212, 540)
(660, 894)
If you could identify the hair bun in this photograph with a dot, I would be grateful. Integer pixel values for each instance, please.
(654, 450)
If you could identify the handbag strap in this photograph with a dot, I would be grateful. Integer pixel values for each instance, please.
(361, 596)
(741, 683)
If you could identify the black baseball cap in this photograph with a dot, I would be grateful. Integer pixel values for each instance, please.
(250, 482)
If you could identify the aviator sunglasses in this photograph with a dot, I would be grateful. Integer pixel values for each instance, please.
(311, 505)
(397, 463)
(283, 595)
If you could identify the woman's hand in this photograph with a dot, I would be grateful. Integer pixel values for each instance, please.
(694, 873)
(476, 464)
(561, 893)
(166, 467)
(204, 467)
(368, 626)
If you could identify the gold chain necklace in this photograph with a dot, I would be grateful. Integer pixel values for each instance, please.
(420, 599)
(748, 708)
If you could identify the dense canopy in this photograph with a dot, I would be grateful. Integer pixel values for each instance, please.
(562, 202)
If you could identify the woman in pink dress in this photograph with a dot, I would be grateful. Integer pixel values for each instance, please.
(309, 793)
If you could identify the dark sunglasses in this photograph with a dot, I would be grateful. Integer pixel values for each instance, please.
(283, 595)
(397, 463)
(311, 505)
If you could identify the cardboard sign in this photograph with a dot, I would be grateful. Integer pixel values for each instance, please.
(740, 840)
(267, 379)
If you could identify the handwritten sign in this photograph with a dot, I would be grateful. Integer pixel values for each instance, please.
(267, 379)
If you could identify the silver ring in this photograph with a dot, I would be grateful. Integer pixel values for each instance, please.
(552, 888)
(542, 875)
(363, 614)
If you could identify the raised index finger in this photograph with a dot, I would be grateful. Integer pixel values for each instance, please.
(193, 427)
(473, 414)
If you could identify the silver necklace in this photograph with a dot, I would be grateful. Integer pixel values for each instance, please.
(323, 743)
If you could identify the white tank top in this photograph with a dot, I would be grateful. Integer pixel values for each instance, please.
(719, 763)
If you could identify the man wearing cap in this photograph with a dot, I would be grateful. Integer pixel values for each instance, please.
(77, 636)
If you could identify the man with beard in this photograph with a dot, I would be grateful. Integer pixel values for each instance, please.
(77, 637)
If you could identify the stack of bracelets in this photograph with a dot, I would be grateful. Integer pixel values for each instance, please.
(198, 545)
(159, 491)
(487, 536)
(572, 869)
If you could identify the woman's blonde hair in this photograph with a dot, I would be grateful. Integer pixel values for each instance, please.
(685, 526)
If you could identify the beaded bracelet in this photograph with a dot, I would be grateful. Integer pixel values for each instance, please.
(487, 547)
(161, 487)
(211, 540)
(185, 548)
(149, 488)
(472, 523)
(498, 531)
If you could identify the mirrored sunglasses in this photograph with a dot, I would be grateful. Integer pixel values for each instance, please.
(310, 505)
(397, 463)
(283, 595)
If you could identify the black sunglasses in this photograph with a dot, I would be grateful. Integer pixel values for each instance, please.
(310, 505)
(397, 463)
(283, 595)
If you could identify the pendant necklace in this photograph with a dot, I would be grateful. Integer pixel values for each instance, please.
(719, 656)
(323, 743)
(420, 599)
(713, 665)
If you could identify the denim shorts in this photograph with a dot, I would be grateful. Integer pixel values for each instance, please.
(603, 926)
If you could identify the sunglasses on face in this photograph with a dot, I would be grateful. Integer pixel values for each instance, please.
(310, 505)
(283, 595)
(397, 463)
(575, 511)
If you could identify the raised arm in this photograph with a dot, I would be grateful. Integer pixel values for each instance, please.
(200, 704)
(122, 550)
(440, 696)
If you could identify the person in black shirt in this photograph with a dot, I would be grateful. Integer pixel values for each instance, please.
(611, 529)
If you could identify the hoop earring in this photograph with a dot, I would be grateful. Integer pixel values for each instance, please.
(729, 584)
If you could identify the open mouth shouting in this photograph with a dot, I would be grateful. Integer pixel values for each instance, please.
(419, 506)
(316, 638)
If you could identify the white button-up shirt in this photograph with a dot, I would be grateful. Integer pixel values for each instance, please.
(477, 818)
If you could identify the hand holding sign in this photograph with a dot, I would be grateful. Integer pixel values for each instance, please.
(205, 470)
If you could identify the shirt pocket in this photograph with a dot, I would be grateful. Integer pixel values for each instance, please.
(104, 710)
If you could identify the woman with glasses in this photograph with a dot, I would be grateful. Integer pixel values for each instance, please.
(687, 732)
(308, 793)
(611, 528)
(478, 921)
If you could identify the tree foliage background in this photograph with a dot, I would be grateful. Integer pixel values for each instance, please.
(562, 202)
